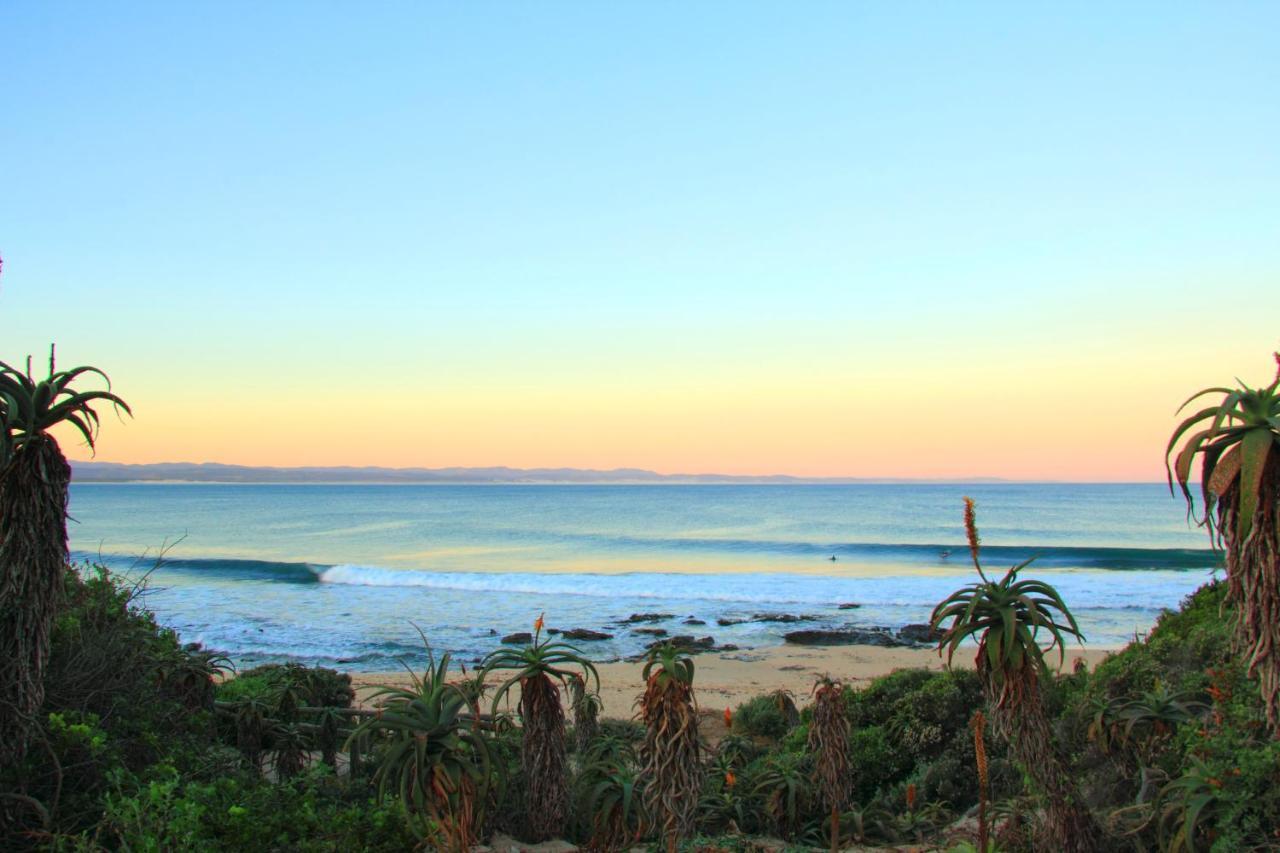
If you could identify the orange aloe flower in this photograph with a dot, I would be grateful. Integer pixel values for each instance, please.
(729, 779)
(537, 623)
(728, 718)
(911, 796)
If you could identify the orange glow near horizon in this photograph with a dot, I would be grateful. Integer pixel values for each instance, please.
(1095, 418)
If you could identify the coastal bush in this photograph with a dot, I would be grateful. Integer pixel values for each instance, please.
(112, 705)
(314, 812)
(311, 686)
(1209, 776)
(761, 716)
(128, 756)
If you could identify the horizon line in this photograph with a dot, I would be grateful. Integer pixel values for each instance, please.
(103, 471)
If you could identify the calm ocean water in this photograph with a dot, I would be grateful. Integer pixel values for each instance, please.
(337, 575)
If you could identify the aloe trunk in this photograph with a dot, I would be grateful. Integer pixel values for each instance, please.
(829, 744)
(1018, 715)
(1253, 584)
(543, 758)
(33, 560)
(670, 754)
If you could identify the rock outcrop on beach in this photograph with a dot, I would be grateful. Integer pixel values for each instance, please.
(584, 634)
(652, 632)
(844, 637)
(694, 645)
(517, 639)
(647, 617)
(919, 633)
(766, 617)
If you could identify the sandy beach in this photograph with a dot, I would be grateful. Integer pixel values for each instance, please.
(729, 678)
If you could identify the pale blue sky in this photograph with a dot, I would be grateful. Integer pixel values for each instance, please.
(515, 195)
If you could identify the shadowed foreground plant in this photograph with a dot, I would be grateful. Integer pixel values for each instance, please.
(1185, 806)
(785, 786)
(34, 476)
(435, 761)
(1240, 490)
(1008, 617)
(542, 756)
(670, 754)
(611, 797)
(829, 744)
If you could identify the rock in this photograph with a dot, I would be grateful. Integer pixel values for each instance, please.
(767, 617)
(849, 605)
(647, 617)
(782, 617)
(586, 634)
(689, 643)
(692, 621)
(919, 633)
(843, 637)
(506, 844)
(728, 647)
(517, 639)
(652, 632)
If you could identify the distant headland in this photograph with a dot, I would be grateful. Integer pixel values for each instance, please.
(213, 472)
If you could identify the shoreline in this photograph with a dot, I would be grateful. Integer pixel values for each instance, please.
(729, 678)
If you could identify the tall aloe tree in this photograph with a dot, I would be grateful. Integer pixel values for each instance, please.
(1009, 618)
(1236, 442)
(34, 476)
(542, 668)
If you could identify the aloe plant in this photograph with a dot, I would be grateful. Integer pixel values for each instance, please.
(786, 787)
(671, 752)
(586, 713)
(436, 761)
(1012, 618)
(829, 745)
(611, 797)
(1187, 806)
(541, 668)
(34, 479)
(1236, 442)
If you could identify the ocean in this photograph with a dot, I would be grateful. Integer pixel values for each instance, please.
(340, 575)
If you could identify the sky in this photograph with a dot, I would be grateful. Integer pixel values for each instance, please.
(823, 239)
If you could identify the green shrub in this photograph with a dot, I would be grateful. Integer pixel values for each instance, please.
(314, 686)
(314, 812)
(764, 716)
(877, 762)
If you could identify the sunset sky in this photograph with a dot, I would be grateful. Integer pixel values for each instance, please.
(881, 240)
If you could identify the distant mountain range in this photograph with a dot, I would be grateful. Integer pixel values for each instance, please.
(212, 472)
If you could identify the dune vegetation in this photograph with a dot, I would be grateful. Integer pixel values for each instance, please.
(117, 736)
